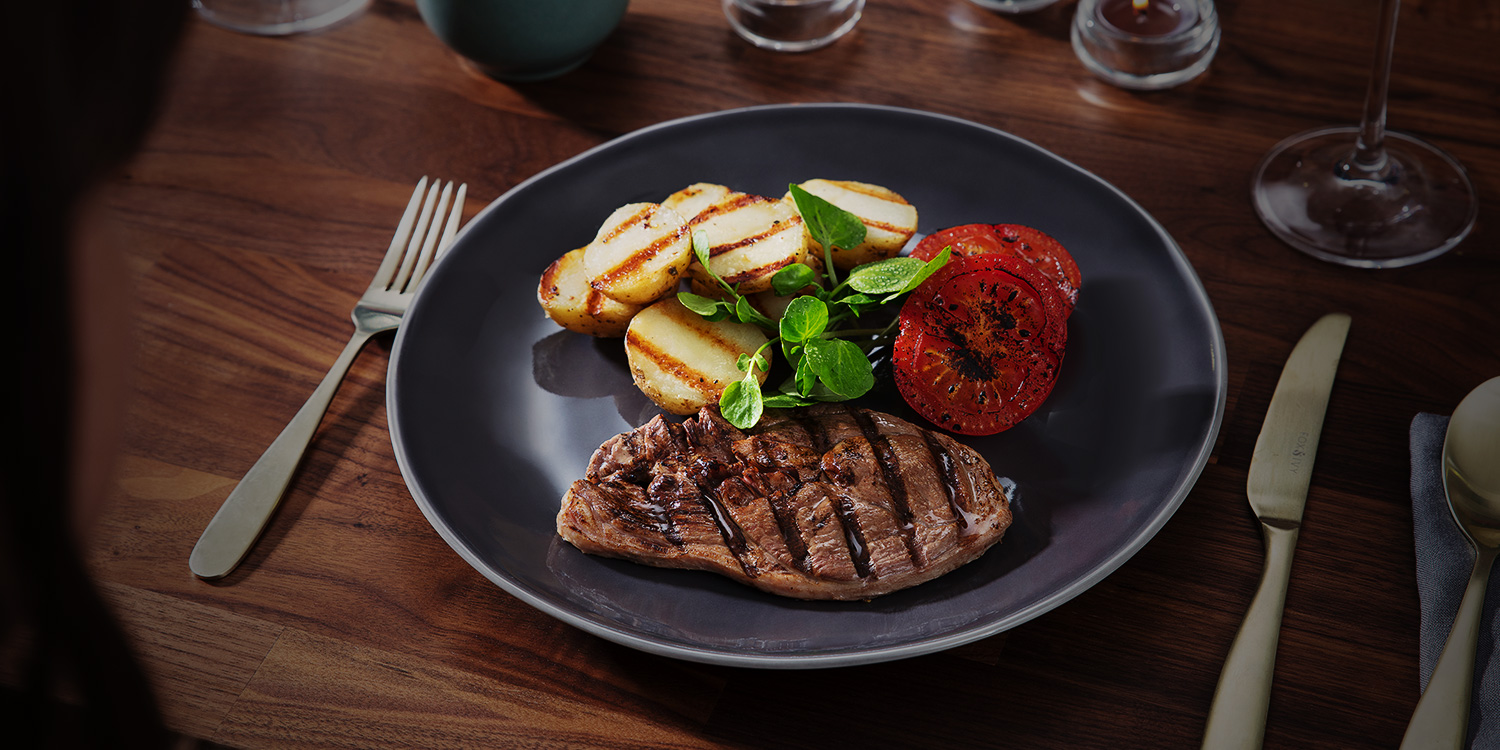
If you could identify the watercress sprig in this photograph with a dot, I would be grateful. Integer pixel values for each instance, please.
(829, 225)
(826, 366)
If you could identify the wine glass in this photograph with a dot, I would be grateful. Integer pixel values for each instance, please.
(1362, 196)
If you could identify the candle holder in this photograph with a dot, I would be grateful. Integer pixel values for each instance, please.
(1013, 7)
(792, 25)
(1155, 44)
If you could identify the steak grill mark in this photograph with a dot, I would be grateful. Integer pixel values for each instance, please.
(730, 530)
(690, 468)
(890, 473)
(787, 523)
(818, 439)
(944, 461)
(854, 537)
(859, 551)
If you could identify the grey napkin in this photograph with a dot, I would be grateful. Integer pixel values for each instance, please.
(1444, 561)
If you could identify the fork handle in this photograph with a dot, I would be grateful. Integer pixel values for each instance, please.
(244, 514)
(1237, 718)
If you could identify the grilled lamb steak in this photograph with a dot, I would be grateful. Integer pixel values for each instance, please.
(822, 502)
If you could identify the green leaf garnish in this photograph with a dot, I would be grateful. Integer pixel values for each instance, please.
(746, 313)
(841, 366)
(741, 402)
(806, 374)
(830, 226)
(938, 261)
(858, 303)
(709, 308)
(895, 276)
(805, 318)
(885, 276)
(745, 360)
(786, 401)
(792, 350)
(792, 278)
(701, 249)
(822, 392)
(698, 303)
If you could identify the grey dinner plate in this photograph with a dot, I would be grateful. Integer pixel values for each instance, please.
(494, 410)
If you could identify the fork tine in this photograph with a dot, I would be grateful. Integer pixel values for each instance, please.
(399, 241)
(416, 237)
(420, 269)
(455, 216)
(453, 221)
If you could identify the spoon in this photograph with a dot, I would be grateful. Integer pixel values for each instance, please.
(1471, 479)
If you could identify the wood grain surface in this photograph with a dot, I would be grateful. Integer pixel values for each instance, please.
(258, 209)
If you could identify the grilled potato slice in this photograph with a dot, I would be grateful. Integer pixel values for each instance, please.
(773, 305)
(889, 220)
(567, 298)
(683, 362)
(639, 254)
(751, 237)
(693, 199)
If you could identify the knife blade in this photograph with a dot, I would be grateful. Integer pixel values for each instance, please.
(1280, 474)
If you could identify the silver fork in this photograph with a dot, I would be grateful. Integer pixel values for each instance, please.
(244, 514)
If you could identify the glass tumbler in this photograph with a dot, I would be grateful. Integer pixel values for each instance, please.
(277, 17)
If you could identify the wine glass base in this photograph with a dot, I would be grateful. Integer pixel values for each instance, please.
(1419, 205)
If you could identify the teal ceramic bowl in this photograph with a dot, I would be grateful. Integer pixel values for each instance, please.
(523, 40)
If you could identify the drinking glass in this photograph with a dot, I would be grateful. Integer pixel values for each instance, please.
(1361, 196)
(277, 17)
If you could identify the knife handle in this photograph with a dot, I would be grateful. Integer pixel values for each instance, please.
(1237, 718)
(1441, 719)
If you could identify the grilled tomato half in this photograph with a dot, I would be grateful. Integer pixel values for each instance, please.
(1036, 247)
(980, 343)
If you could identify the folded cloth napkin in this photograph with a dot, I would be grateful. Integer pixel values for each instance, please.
(1444, 561)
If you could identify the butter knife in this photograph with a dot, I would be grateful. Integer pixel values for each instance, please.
(1280, 472)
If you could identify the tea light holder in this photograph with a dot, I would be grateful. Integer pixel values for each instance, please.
(1146, 44)
(1013, 7)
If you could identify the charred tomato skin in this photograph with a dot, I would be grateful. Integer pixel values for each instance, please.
(1034, 246)
(966, 239)
(980, 344)
(1046, 255)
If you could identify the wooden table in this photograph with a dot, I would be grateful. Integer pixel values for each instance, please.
(256, 212)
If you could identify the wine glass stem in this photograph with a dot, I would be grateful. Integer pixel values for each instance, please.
(1369, 159)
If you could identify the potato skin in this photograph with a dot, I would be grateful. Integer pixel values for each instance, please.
(639, 254)
(683, 362)
(565, 295)
(890, 221)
